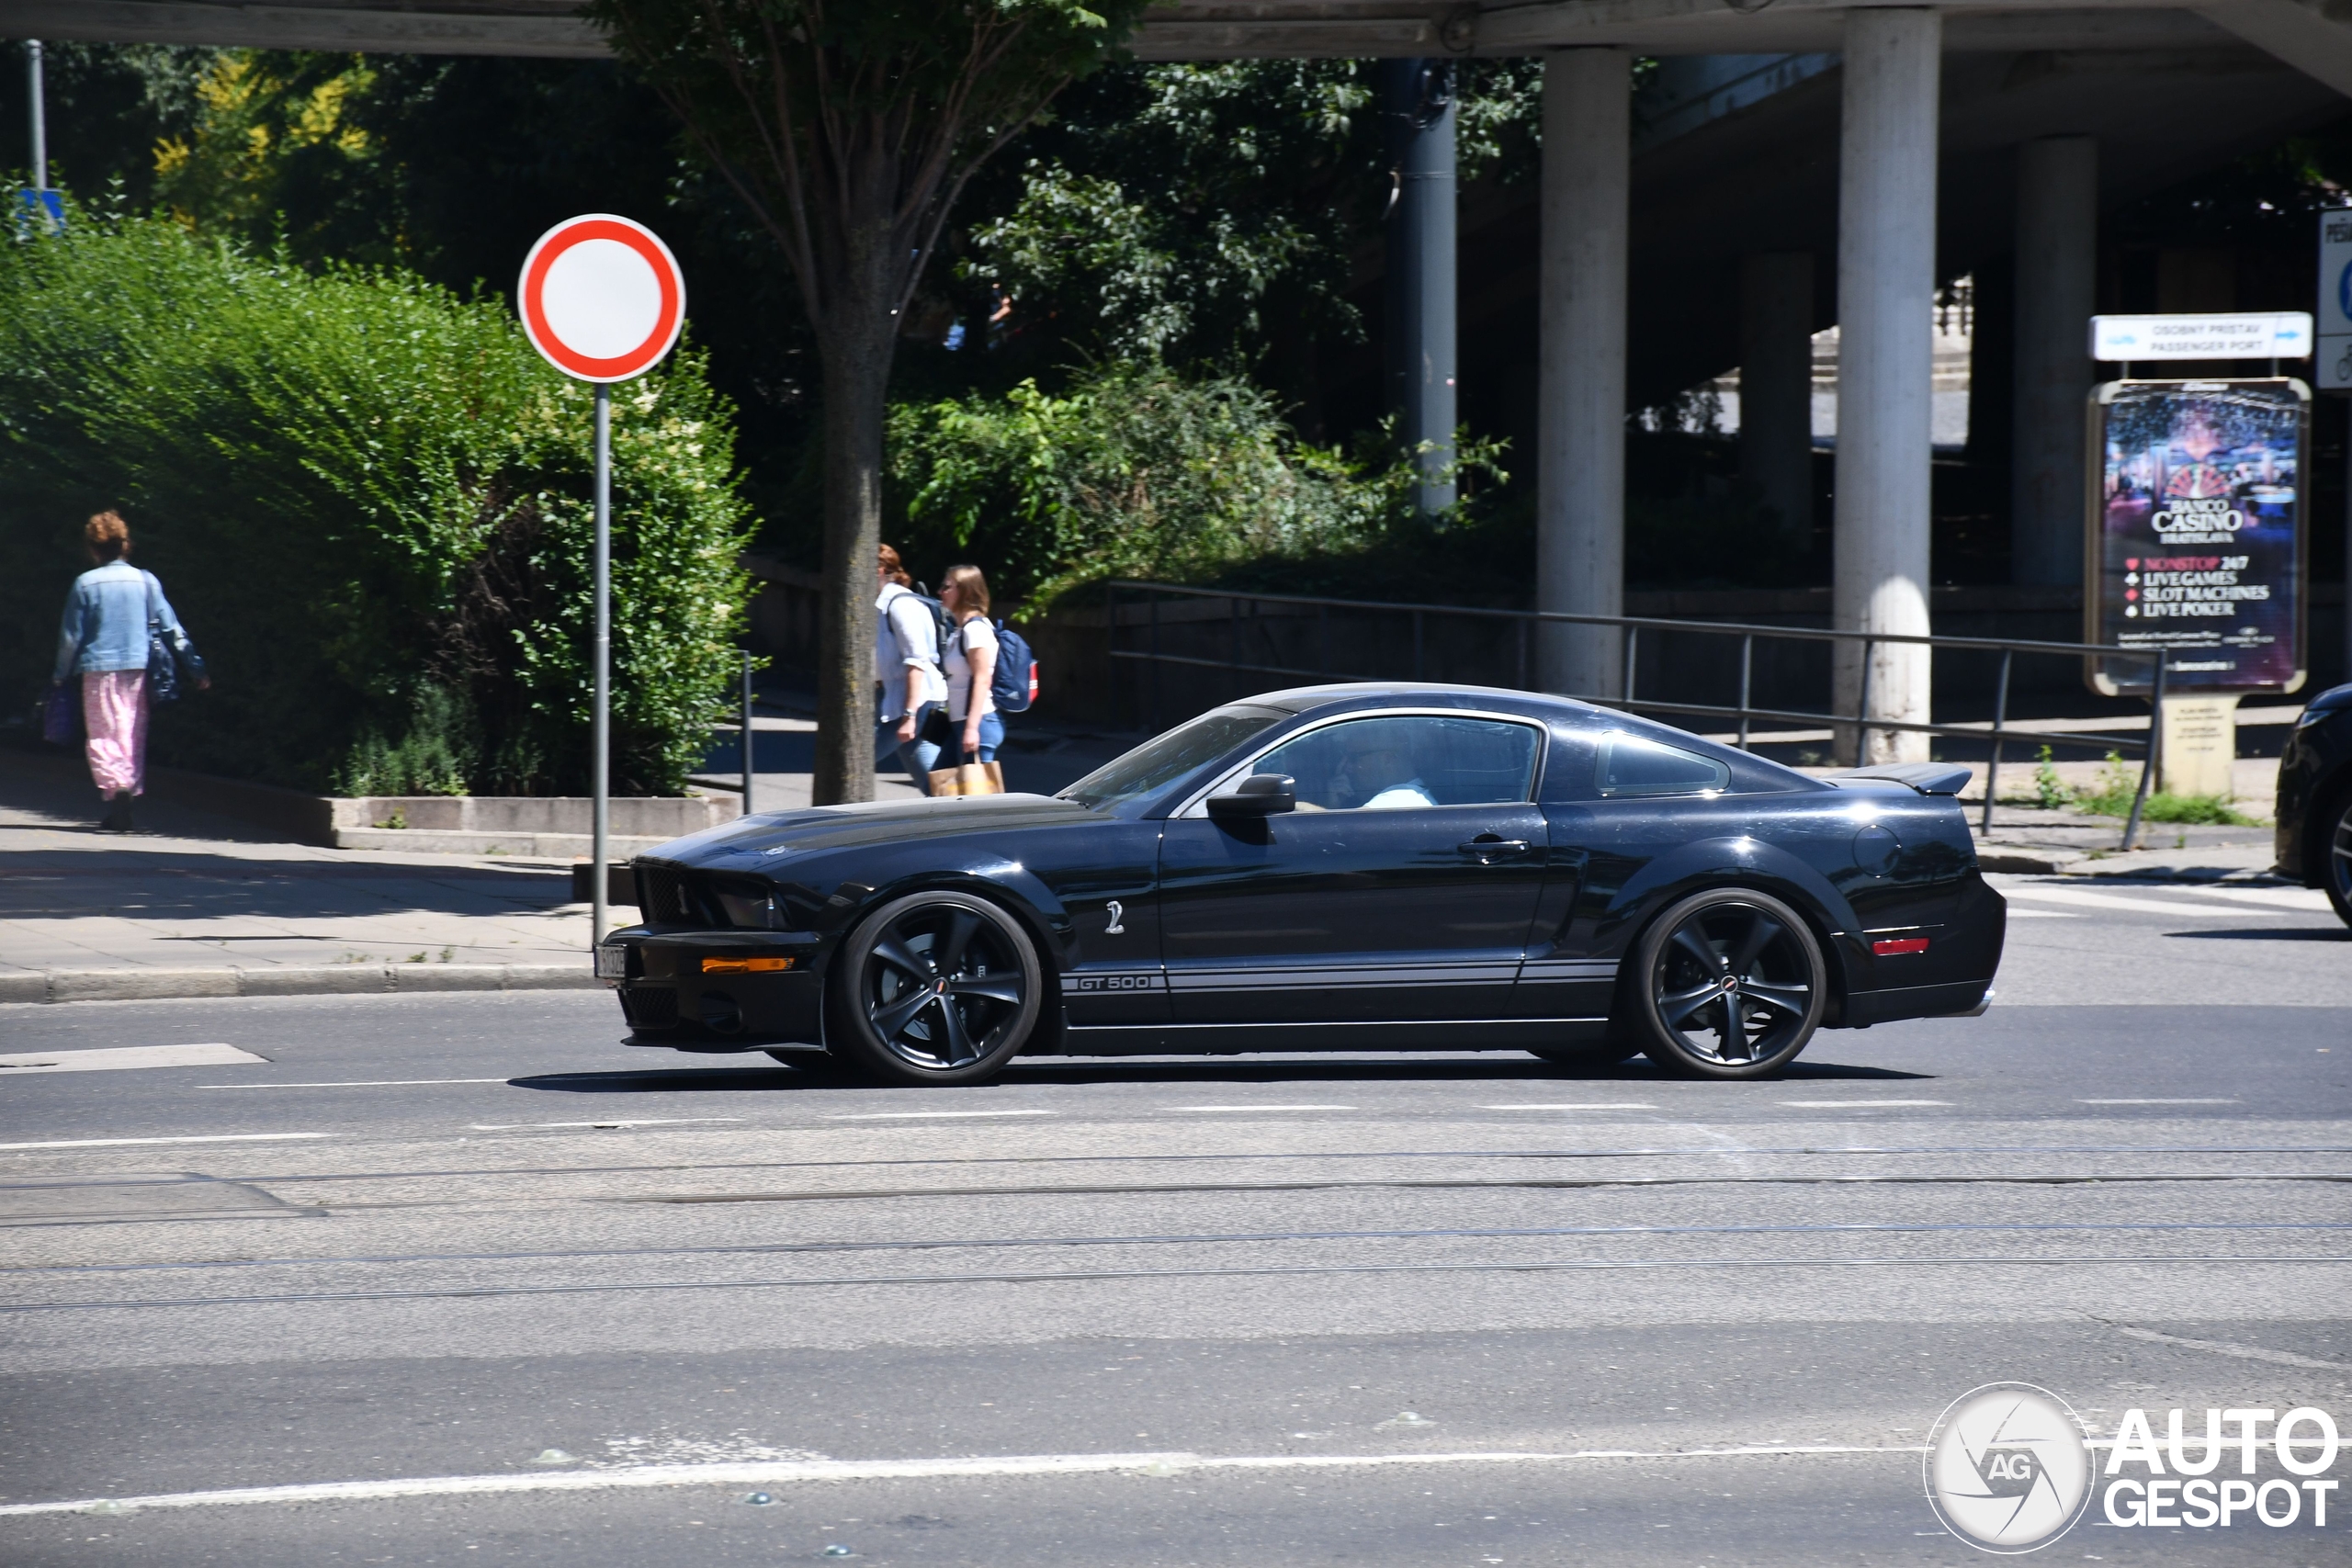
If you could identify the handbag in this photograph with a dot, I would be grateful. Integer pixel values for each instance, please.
(60, 715)
(938, 731)
(169, 653)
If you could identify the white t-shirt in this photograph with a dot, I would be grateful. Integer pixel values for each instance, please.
(904, 635)
(973, 634)
(1409, 795)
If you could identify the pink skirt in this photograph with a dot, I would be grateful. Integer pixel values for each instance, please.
(114, 711)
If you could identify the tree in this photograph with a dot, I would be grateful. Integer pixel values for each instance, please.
(848, 127)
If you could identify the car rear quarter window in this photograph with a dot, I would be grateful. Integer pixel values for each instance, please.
(1635, 765)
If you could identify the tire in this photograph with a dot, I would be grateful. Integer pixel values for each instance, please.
(1727, 983)
(937, 988)
(2335, 864)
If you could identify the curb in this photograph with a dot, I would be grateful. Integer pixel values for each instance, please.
(2027, 863)
(125, 984)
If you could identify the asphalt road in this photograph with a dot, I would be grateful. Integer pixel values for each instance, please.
(1440, 1309)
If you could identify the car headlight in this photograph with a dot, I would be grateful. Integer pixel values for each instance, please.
(749, 907)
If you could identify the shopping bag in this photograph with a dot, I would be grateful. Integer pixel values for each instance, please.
(974, 778)
(943, 782)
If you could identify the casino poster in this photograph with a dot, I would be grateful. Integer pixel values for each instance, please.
(2195, 542)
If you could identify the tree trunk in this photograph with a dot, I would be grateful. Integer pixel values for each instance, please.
(857, 375)
(857, 334)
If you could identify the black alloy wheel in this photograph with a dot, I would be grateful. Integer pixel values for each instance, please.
(1731, 985)
(2337, 878)
(938, 989)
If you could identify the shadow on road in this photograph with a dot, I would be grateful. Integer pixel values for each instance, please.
(690, 1080)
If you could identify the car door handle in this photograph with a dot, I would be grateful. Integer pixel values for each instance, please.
(1487, 844)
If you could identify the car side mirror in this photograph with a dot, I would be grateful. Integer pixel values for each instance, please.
(1259, 795)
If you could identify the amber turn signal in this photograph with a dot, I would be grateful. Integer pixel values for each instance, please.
(744, 966)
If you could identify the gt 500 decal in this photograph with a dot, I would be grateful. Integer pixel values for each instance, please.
(1094, 984)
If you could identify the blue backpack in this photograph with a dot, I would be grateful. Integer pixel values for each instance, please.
(1013, 686)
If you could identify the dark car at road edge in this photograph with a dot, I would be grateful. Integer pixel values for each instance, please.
(2314, 806)
(1340, 867)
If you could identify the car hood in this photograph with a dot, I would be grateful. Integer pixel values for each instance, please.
(769, 834)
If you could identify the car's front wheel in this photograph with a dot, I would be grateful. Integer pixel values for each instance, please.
(2337, 876)
(1727, 984)
(938, 989)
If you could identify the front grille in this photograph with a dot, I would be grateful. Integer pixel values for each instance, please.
(649, 1007)
(663, 897)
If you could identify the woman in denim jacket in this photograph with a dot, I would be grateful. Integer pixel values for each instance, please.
(105, 638)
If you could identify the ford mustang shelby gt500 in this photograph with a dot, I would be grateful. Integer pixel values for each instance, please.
(1338, 867)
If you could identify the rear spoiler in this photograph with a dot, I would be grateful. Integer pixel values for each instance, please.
(1928, 778)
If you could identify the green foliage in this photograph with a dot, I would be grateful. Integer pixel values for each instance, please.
(2049, 791)
(2117, 781)
(1137, 471)
(370, 504)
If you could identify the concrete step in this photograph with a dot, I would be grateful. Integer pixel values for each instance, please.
(542, 846)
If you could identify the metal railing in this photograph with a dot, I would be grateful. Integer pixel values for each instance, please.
(1632, 628)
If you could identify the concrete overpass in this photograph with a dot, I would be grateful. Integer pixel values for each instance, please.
(1778, 192)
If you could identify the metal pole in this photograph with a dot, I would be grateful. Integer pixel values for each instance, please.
(2155, 748)
(1154, 602)
(1862, 710)
(1522, 626)
(40, 116)
(747, 734)
(1416, 644)
(1746, 669)
(2000, 717)
(601, 725)
(1633, 657)
(1323, 639)
(1417, 106)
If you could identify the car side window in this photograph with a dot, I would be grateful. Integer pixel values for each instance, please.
(1405, 761)
(1636, 766)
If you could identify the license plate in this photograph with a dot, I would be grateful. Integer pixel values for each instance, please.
(612, 963)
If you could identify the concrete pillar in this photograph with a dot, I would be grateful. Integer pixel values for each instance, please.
(1581, 399)
(1886, 285)
(1776, 387)
(2056, 285)
(1416, 108)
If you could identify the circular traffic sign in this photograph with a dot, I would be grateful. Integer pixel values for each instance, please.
(602, 297)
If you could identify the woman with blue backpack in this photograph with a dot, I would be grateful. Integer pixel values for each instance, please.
(990, 673)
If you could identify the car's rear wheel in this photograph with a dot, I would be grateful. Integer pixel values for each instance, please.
(938, 989)
(2336, 875)
(1727, 984)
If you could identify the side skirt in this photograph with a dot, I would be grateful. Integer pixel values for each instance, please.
(1430, 1035)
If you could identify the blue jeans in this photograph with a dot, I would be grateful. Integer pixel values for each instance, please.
(916, 756)
(991, 737)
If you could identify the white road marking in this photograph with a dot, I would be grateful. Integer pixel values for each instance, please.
(353, 1083)
(2309, 898)
(616, 1121)
(1605, 1105)
(2016, 914)
(1856, 1104)
(779, 1472)
(117, 1058)
(2224, 1348)
(926, 1115)
(202, 1138)
(2156, 1102)
(1249, 1108)
(2117, 901)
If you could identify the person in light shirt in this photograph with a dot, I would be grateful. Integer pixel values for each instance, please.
(906, 671)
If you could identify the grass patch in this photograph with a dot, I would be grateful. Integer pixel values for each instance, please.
(2111, 796)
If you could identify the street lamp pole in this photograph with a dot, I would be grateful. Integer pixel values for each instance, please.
(40, 118)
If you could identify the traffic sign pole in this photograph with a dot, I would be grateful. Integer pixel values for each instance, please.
(602, 300)
(601, 724)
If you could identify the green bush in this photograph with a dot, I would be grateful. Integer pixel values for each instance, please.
(2118, 783)
(370, 502)
(1137, 471)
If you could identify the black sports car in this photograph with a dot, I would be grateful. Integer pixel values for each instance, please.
(1338, 867)
(2316, 799)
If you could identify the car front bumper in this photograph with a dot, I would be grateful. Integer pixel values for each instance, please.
(685, 989)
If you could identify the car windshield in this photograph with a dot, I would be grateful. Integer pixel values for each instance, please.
(1164, 759)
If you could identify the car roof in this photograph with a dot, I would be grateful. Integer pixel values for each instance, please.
(1422, 694)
